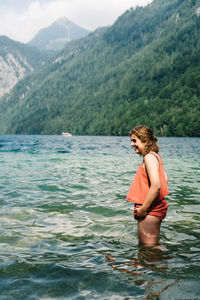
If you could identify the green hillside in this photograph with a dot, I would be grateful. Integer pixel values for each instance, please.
(143, 69)
(33, 56)
(16, 61)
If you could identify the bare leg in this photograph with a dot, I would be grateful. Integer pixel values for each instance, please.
(148, 230)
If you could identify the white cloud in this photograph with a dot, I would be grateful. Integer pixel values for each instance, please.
(86, 13)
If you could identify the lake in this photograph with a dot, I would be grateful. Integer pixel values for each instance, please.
(66, 231)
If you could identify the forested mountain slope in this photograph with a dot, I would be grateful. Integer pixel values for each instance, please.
(143, 69)
(16, 61)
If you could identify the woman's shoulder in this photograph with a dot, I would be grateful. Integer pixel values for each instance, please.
(153, 156)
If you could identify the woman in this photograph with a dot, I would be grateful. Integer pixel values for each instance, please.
(149, 187)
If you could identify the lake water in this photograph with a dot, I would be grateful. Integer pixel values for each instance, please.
(66, 231)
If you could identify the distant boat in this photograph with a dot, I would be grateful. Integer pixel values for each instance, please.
(66, 134)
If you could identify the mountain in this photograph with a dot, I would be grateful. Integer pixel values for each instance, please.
(54, 37)
(16, 61)
(144, 69)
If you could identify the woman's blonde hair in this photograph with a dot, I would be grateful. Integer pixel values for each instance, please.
(147, 137)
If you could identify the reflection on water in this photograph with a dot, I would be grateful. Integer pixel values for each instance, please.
(148, 260)
(66, 231)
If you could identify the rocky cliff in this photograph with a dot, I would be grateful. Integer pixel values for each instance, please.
(16, 61)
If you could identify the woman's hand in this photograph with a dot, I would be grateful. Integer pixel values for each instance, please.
(140, 212)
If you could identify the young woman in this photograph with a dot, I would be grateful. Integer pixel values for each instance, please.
(149, 187)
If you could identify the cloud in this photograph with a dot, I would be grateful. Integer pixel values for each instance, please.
(39, 14)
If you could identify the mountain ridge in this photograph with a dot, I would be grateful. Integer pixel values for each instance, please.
(54, 37)
(142, 69)
(16, 61)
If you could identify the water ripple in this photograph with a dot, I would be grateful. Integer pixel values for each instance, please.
(67, 232)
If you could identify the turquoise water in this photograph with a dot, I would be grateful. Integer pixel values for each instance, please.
(66, 231)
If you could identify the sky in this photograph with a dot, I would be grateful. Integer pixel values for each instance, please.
(21, 20)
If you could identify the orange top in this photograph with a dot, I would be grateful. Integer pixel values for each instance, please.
(140, 186)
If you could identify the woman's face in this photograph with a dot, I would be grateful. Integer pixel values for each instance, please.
(137, 144)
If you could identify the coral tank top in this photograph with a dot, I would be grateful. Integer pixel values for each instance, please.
(140, 185)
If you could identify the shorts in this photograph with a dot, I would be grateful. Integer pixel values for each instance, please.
(158, 209)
